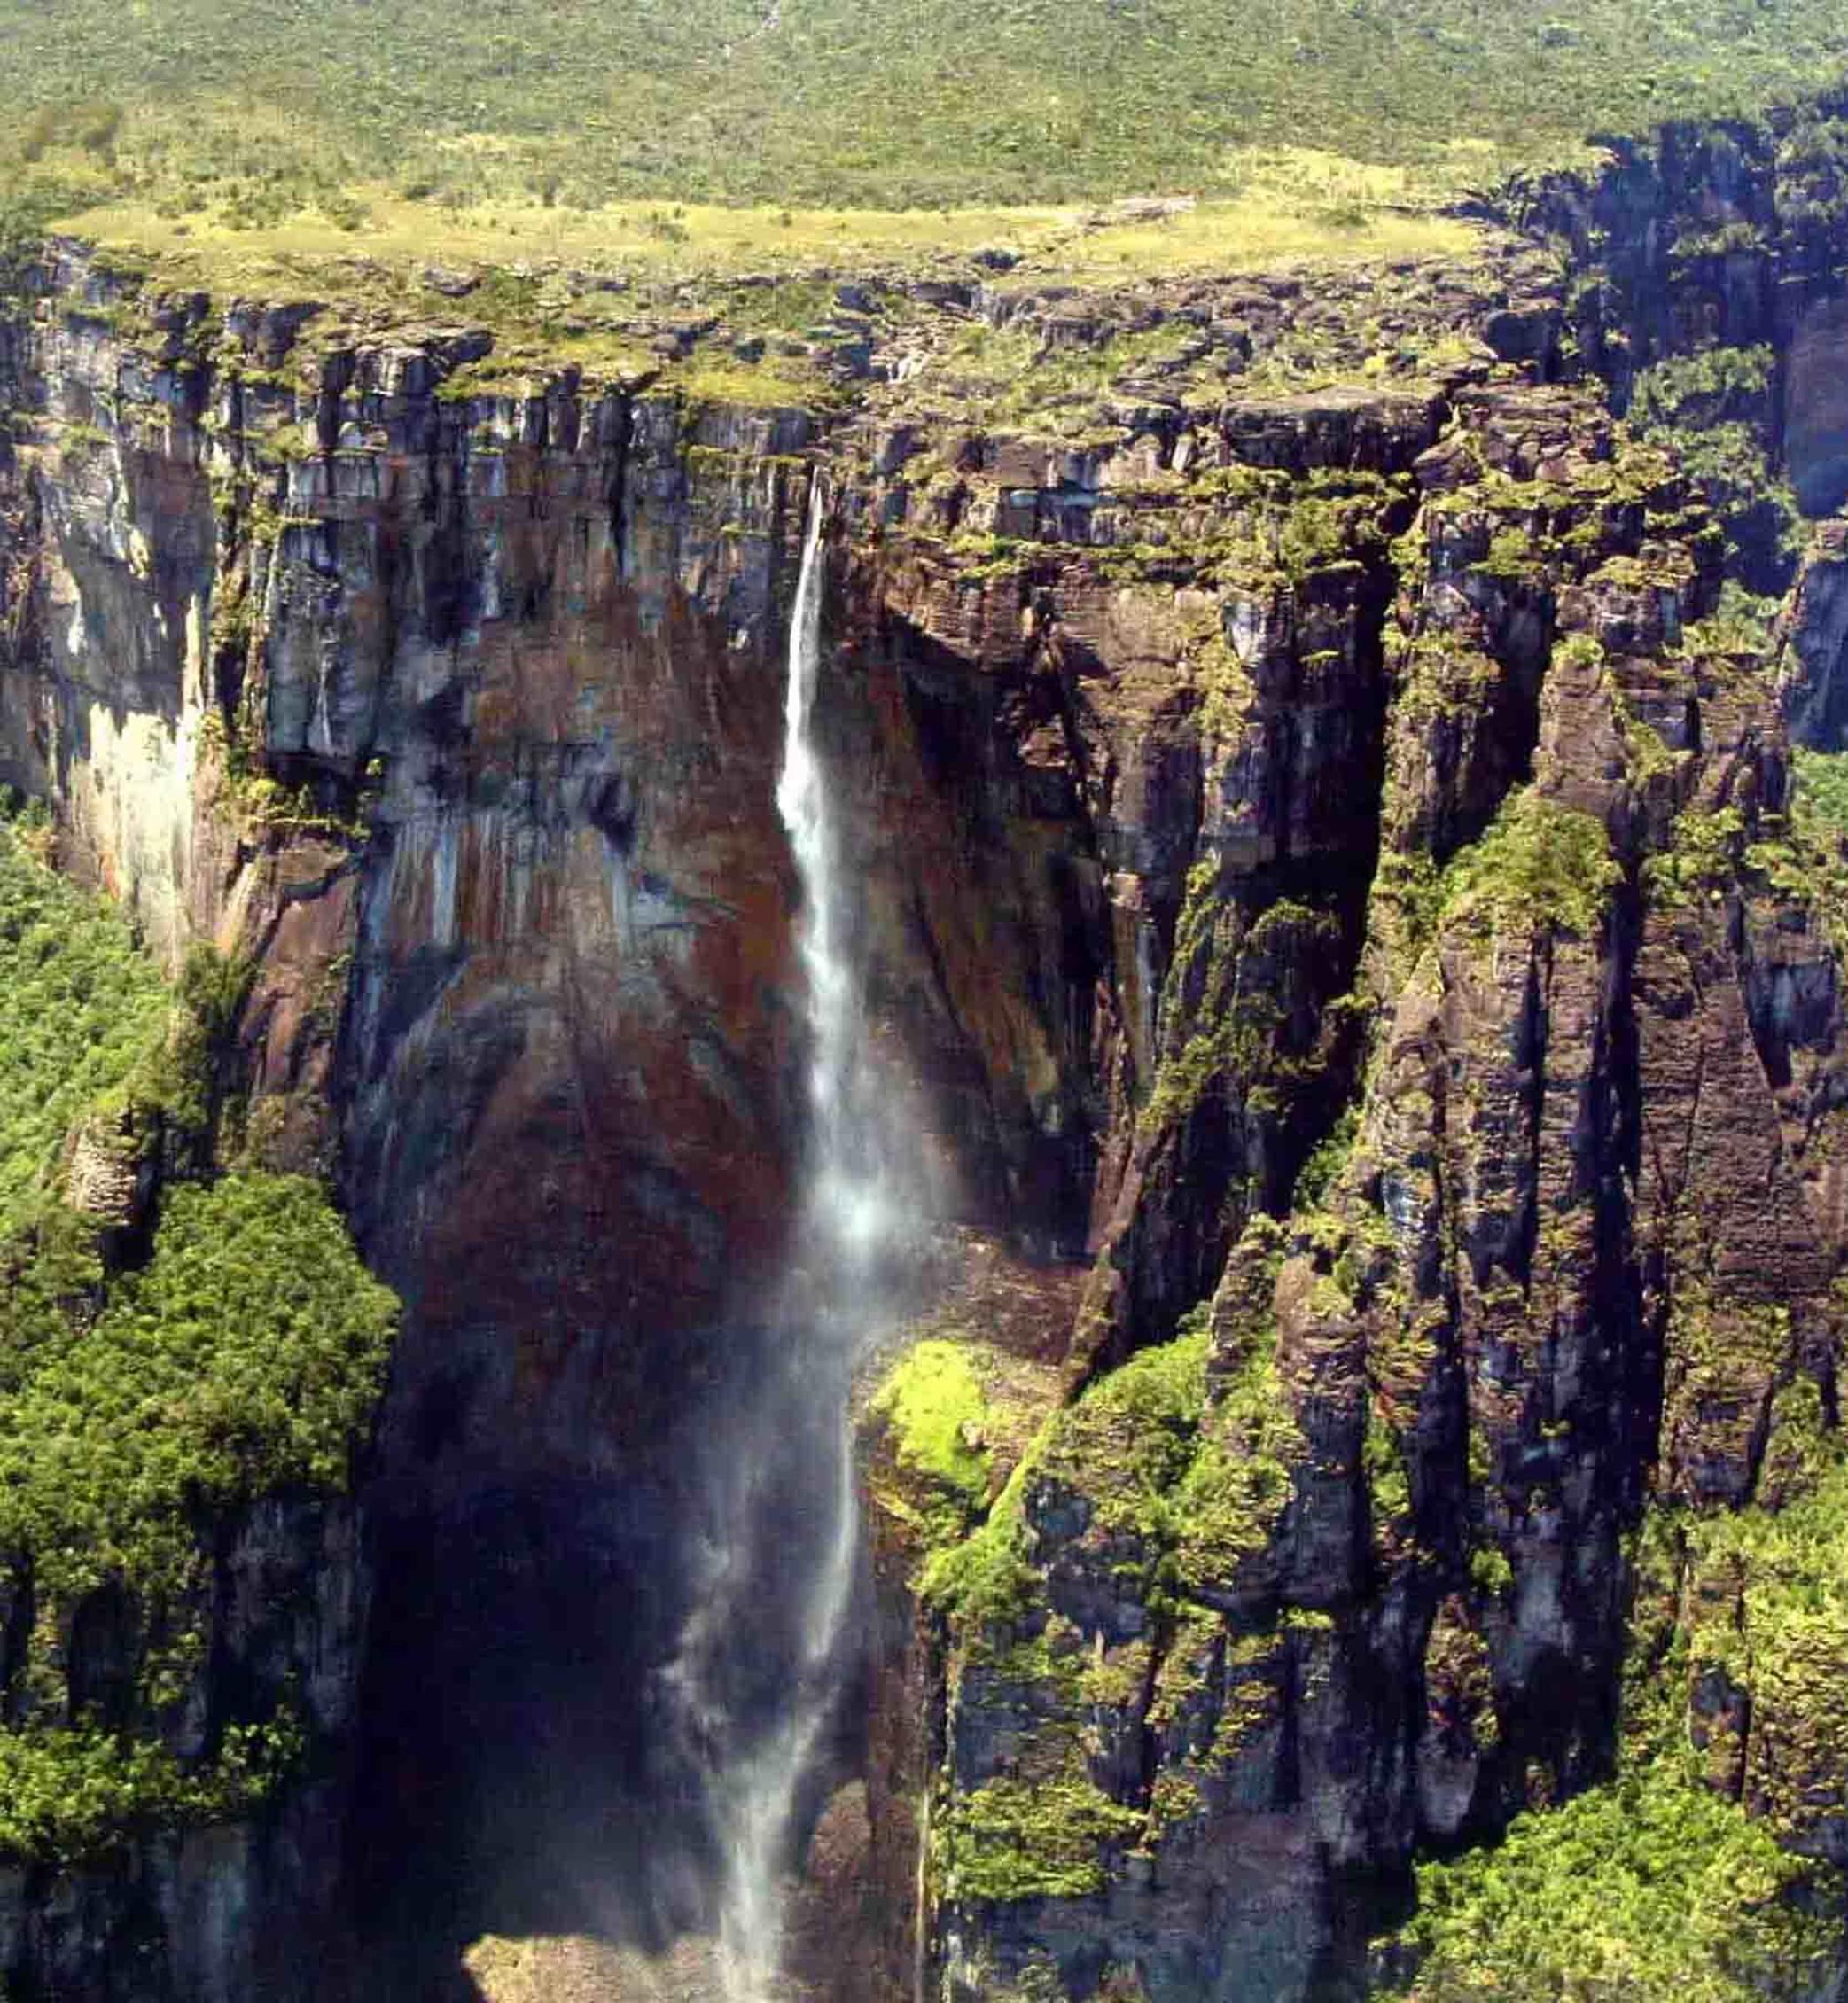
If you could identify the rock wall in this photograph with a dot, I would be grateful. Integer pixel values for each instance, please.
(1348, 1574)
(464, 729)
(219, 1913)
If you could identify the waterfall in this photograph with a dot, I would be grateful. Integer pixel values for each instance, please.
(851, 1207)
(856, 1213)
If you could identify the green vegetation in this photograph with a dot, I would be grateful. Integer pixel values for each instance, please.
(1123, 1445)
(1700, 862)
(1016, 1839)
(1808, 864)
(1538, 864)
(244, 1362)
(68, 1794)
(1189, 1468)
(1490, 1572)
(284, 103)
(1650, 1888)
(1227, 1503)
(82, 1010)
(1714, 386)
(523, 267)
(1820, 794)
(1389, 1482)
(1770, 1620)
(935, 1410)
(1219, 1024)
(1801, 856)
(1328, 1159)
(934, 1400)
(1741, 623)
(1714, 411)
(264, 149)
(952, 1419)
(986, 1578)
(246, 1357)
(141, 1412)
(1129, 1440)
(1661, 1882)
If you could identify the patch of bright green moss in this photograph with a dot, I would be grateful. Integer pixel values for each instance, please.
(1383, 1463)
(1229, 1503)
(1124, 1446)
(1127, 1443)
(1195, 1471)
(1013, 1840)
(935, 1403)
(1490, 1572)
(989, 1577)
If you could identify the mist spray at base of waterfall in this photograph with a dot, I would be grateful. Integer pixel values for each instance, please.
(785, 1542)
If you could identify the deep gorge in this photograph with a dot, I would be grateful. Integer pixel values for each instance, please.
(1331, 860)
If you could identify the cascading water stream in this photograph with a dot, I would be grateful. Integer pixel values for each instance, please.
(851, 1208)
(851, 1225)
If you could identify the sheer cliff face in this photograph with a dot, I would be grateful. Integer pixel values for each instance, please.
(466, 726)
(1346, 764)
(462, 717)
(1351, 1570)
(539, 658)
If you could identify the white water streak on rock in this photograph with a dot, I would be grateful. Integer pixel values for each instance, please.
(855, 1215)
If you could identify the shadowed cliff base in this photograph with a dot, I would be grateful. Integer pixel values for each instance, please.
(828, 1959)
(539, 1755)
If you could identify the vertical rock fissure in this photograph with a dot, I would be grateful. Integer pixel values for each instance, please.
(618, 487)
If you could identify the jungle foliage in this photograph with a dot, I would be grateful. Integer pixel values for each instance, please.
(80, 1010)
(1649, 1888)
(153, 1388)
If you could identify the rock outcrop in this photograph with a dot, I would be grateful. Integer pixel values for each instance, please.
(216, 1910)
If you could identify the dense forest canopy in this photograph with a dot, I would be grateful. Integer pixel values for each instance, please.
(151, 1393)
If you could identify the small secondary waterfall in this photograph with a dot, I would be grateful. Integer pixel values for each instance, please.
(858, 1213)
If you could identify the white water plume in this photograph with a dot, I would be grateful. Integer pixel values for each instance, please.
(853, 1206)
(857, 1212)
(759, 1795)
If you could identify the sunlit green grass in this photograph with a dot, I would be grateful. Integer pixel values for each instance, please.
(894, 103)
(1294, 205)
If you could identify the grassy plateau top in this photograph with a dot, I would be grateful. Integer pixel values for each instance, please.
(723, 135)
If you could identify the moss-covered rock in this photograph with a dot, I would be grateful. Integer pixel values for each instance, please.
(1651, 1888)
(163, 1426)
(1010, 1840)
